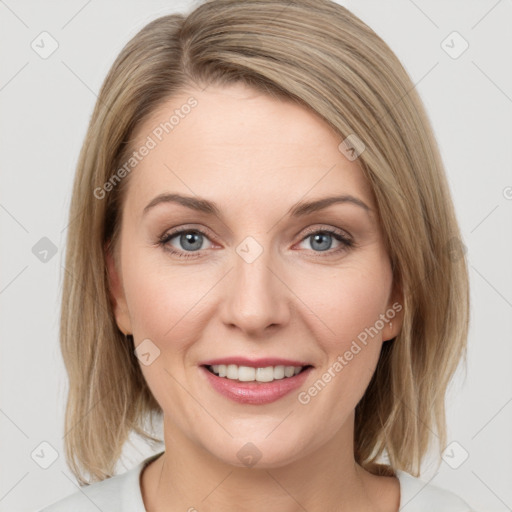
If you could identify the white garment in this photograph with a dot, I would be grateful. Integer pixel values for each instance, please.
(122, 493)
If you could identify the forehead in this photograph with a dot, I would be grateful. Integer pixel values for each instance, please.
(236, 142)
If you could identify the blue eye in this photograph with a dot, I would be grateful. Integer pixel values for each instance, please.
(191, 240)
(323, 240)
(188, 239)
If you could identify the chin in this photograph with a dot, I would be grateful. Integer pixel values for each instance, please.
(259, 451)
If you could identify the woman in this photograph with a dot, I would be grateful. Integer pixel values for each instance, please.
(298, 352)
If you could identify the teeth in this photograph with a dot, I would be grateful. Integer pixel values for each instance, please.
(250, 374)
(289, 371)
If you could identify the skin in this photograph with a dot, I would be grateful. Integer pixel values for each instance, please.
(256, 157)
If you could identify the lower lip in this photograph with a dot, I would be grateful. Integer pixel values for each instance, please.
(256, 393)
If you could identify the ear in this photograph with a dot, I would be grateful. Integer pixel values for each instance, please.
(394, 313)
(116, 293)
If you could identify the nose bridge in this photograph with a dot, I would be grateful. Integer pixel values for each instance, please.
(256, 298)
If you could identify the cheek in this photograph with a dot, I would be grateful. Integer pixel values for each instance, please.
(164, 305)
(350, 303)
(360, 305)
(352, 306)
(162, 301)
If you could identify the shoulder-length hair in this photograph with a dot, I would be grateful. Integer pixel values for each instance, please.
(316, 53)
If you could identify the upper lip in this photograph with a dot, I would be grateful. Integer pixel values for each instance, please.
(255, 363)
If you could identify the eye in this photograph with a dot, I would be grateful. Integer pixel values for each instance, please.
(188, 241)
(321, 240)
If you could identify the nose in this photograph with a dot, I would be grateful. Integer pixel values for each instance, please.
(255, 296)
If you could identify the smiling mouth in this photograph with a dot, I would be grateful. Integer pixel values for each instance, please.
(251, 374)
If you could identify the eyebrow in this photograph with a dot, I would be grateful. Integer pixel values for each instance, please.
(299, 210)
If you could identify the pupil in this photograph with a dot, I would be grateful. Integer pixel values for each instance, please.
(319, 236)
(189, 237)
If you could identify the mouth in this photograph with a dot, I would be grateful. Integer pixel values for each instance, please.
(255, 385)
(255, 374)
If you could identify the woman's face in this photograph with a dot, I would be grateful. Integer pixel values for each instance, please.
(258, 276)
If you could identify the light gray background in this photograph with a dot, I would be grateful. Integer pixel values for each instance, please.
(46, 105)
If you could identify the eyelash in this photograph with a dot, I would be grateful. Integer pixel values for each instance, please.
(347, 243)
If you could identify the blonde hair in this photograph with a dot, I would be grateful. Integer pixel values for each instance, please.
(316, 53)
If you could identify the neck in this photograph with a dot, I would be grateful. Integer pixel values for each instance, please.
(189, 478)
